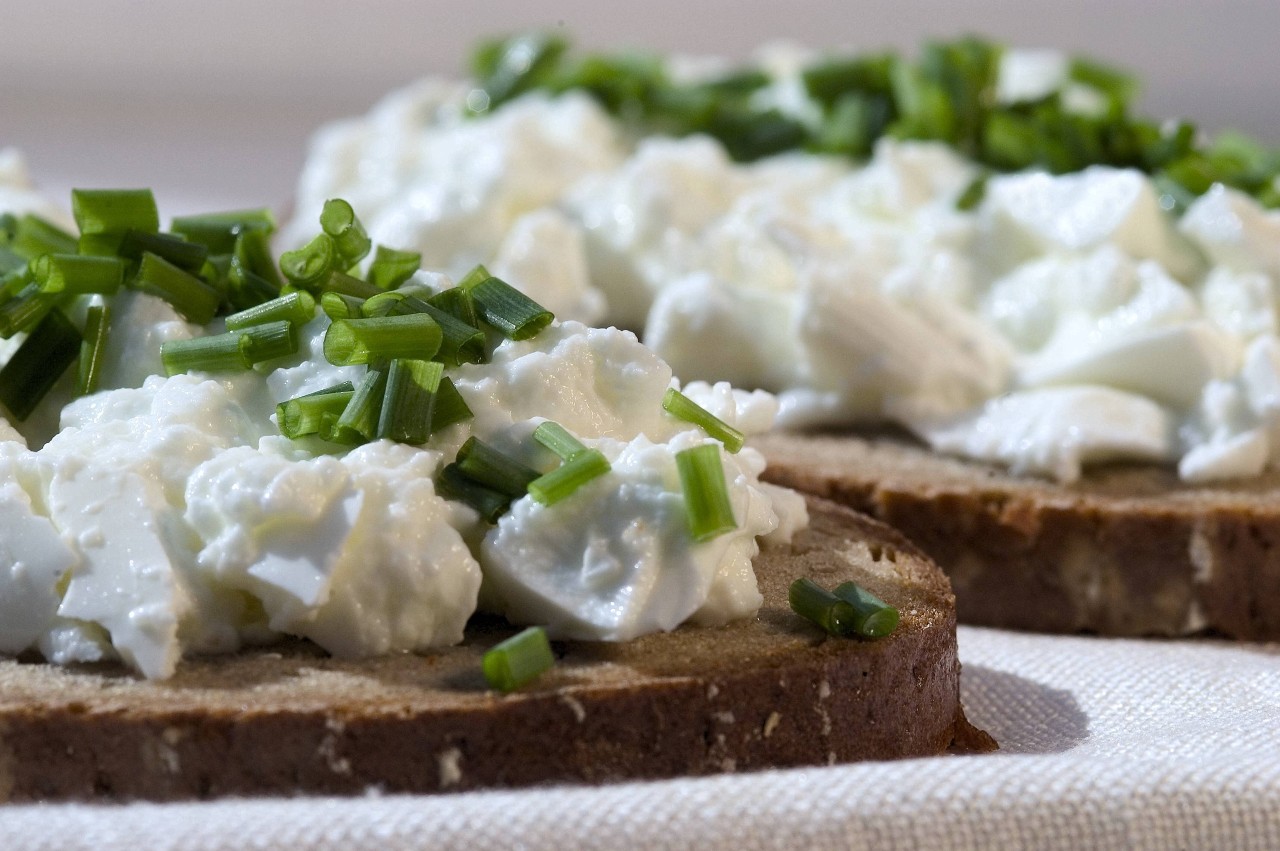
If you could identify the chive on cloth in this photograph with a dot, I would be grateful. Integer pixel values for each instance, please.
(1106, 743)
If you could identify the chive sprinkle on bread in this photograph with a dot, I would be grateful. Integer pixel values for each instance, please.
(1127, 550)
(765, 692)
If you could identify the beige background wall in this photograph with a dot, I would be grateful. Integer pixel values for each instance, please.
(211, 102)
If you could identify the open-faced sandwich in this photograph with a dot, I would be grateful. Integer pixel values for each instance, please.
(1044, 330)
(249, 512)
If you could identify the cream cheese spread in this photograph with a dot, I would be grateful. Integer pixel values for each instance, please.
(1065, 320)
(167, 516)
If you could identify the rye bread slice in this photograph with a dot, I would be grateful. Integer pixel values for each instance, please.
(767, 692)
(1127, 550)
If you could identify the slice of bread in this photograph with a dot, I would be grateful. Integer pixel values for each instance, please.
(771, 691)
(1127, 550)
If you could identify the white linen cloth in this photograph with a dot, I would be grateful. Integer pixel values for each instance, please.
(1105, 744)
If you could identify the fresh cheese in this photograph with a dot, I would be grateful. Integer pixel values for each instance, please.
(168, 516)
(859, 292)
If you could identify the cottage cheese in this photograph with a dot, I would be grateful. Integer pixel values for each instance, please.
(1072, 311)
(168, 517)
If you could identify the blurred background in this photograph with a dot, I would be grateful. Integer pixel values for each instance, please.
(212, 104)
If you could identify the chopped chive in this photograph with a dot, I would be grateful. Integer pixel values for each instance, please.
(386, 304)
(706, 496)
(457, 485)
(38, 363)
(558, 439)
(340, 222)
(519, 660)
(34, 236)
(359, 420)
(508, 310)
(344, 284)
(78, 274)
(245, 290)
(353, 341)
(565, 480)
(190, 296)
(391, 268)
(682, 407)
(477, 275)
(973, 194)
(450, 407)
(252, 255)
(460, 343)
(408, 400)
(816, 604)
(92, 348)
(314, 413)
(25, 310)
(218, 231)
(341, 305)
(494, 469)
(298, 307)
(270, 340)
(309, 266)
(456, 302)
(189, 256)
(873, 617)
(227, 352)
(104, 216)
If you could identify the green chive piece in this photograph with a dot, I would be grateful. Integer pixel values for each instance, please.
(227, 352)
(458, 486)
(510, 66)
(314, 413)
(558, 439)
(34, 236)
(350, 240)
(104, 216)
(341, 305)
(190, 296)
(359, 420)
(814, 603)
(973, 194)
(353, 341)
(92, 348)
(460, 343)
(344, 284)
(682, 407)
(188, 256)
(494, 469)
(25, 311)
(270, 340)
(519, 660)
(449, 408)
(309, 266)
(298, 307)
(391, 268)
(218, 231)
(244, 289)
(873, 617)
(408, 400)
(508, 310)
(78, 274)
(457, 302)
(38, 364)
(565, 480)
(706, 496)
(252, 255)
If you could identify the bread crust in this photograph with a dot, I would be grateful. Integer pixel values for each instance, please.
(1127, 550)
(768, 692)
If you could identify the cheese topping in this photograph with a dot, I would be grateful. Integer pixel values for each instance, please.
(167, 516)
(1067, 319)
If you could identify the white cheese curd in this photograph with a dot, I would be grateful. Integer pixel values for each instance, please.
(858, 292)
(627, 565)
(358, 554)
